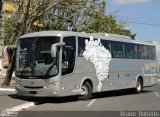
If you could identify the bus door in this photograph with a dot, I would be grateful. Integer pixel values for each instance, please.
(68, 64)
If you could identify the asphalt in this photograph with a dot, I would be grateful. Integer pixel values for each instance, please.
(9, 99)
(114, 100)
(122, 100)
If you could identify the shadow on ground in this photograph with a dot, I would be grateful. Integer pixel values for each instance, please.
(42, 100)
(117, 93)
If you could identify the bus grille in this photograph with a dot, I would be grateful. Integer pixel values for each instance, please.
(33, 87)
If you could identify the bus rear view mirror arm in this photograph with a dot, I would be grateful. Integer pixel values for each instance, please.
(12, 46)
(54, 48)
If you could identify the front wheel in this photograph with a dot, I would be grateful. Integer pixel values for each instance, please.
(86, 91)
(139, 86)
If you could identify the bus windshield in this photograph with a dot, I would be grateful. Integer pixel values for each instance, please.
(34, 58)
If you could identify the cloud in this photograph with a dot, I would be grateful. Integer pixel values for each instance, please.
(122, 2)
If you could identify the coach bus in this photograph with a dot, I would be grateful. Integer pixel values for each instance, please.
(62, 63)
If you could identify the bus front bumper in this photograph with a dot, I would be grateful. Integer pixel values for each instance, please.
(38, 92)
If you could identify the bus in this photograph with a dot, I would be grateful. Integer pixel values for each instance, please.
(158, 57)
(63, 63)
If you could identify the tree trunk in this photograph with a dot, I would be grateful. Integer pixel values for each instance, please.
(11, 66)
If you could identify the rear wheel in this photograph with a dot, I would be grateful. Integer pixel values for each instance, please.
(86, 91)
(139, 86)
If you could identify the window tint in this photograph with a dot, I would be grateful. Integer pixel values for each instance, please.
(131, 50)
(34, 57)
(106, 44)
(122, 50)
(42, 49)
(117, 50)
(81, 45)
(150, 52)
(141, 54)
(68, 55)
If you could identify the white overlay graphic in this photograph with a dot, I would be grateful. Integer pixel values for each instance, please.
(99, 56)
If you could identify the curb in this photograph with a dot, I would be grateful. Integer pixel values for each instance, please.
(21, 107)
(7, 89)
(14, 111)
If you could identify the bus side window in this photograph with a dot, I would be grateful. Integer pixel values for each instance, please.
(117, 50)
(81, 45)
(150, 52)
(141, 53)
(68, 55)
(130, 50)
(106, 44)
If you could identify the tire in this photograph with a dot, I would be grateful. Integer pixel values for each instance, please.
(139, 86)
(87, 88)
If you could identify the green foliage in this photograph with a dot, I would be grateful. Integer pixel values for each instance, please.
(88, 17)
(108, 24)
(64, 15)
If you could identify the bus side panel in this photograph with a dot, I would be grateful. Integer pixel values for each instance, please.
(149, 72)
(84, 69)
(158, 59)
(108, 83)
(124, 73)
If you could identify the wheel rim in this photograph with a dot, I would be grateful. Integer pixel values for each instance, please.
(84, 91)
(139, 86)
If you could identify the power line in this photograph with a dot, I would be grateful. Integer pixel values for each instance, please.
(135, 17)
(143, 23)
(139, 20)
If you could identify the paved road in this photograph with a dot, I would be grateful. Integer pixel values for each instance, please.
(123, 100)
(8, 100)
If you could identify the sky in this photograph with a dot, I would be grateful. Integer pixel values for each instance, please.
(142, 17)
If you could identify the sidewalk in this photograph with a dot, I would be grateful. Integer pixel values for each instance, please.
(12, 83)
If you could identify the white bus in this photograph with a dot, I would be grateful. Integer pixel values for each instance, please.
(62, 63)
(158, 57)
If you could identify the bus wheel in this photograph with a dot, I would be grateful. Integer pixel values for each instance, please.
(139, 86)
(86, 91)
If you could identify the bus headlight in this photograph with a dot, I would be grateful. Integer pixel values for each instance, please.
(18, 85)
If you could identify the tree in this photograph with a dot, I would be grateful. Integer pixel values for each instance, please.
(11, 66)
(70, 16)
(88, 17)
(28, 11)
(108, 24)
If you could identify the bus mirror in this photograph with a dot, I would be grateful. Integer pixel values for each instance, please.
(54, 48)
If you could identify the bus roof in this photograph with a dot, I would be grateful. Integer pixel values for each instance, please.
(105, 36)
